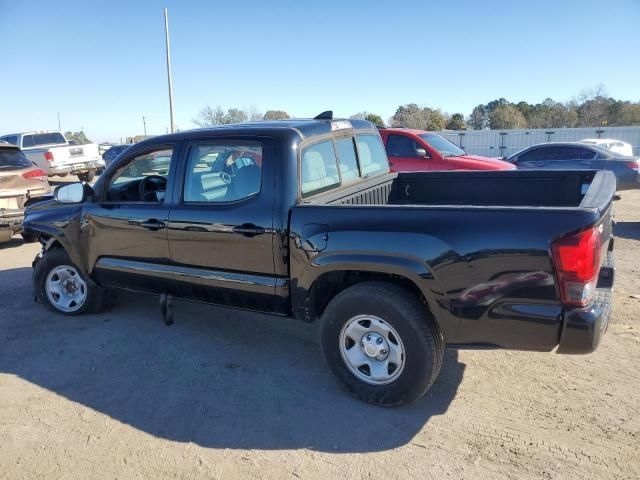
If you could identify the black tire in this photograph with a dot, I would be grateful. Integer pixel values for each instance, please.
(422, 340)
(87, 176)
(97, 299)
(29, 237)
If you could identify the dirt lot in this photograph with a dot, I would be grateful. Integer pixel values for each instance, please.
(223, 394)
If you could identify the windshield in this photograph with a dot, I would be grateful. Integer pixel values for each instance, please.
(442, 145)
(11, 159)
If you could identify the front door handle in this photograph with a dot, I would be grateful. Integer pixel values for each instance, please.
(153, 224)
(248, 230)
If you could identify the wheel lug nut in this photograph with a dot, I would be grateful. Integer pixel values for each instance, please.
(379, 340)
(368, 336)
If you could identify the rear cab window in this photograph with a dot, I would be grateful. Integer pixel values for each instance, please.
(319, 168)
(37, 139)
(332, 163)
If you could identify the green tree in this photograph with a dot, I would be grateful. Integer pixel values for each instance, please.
(456, 122)
(375, 119)
(506, 116)
(79, 137)
(210, 117)
(421, 118)
(369, 117)
(234, 115)
(479, 118)
(626, 114)
(276, 115)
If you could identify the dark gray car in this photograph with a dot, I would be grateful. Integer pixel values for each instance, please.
(578, 156)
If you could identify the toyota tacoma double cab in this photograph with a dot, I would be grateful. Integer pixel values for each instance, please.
(303, 218)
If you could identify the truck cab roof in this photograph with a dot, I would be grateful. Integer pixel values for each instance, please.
(304, 128)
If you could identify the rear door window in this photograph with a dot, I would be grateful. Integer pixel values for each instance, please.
(318, 168)
(576, 153)
(220, 172)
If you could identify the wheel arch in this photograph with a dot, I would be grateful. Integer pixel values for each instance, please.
(310, 296)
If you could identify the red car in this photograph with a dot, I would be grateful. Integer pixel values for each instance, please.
(418, 151)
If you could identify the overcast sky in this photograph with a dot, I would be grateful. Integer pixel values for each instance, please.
(101, 64)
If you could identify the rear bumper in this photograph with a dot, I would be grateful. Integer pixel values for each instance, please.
(10, 223)
(76, 168)
(584, 328)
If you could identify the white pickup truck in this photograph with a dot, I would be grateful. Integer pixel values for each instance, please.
(55, 155)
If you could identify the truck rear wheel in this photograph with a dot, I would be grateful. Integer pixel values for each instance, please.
(60, 286)
(381, 343)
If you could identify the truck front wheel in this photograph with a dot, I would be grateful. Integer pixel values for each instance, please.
(60, 286)
(381, 343)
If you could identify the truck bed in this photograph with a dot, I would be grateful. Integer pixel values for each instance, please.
(534, 188)
(478, 242)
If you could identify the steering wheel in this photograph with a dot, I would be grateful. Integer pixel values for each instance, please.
(149, 185)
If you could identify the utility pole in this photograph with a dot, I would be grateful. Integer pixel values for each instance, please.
(144, 123)
(59, 127)
(166, 36)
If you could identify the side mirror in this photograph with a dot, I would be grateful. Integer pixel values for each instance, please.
(73, 193)
(421, 153)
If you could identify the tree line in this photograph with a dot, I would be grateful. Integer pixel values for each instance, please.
(592, 108)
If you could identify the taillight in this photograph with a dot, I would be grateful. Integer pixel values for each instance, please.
(577, 260)
(634, 165)
(48, 156)
(41, 174)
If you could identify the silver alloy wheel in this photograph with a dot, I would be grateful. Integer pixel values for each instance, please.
(372, 349)
(66, 289)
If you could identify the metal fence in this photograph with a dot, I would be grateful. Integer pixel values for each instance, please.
(502, 143)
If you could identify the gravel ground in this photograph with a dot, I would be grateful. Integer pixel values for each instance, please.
(225, 394)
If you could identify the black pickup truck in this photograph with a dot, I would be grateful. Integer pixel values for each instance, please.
(302, 218)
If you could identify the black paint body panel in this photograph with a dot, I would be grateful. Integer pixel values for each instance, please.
(475, 244)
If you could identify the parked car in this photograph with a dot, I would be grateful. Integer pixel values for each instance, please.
(55, 155)
(20, 181)
(302, 218)
(113, 152)
(103, 147)
(577, 155)
(418, 151)
(616, 146)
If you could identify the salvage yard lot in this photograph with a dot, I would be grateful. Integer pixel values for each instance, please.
(224, 393)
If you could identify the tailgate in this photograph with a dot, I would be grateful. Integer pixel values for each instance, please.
(599, 196)
(585, 324)
(74, 155)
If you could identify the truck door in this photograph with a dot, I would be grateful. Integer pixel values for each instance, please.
(221, 225)
(126, 226)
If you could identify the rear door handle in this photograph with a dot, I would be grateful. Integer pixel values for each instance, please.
(248, 230)
(153, 224)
